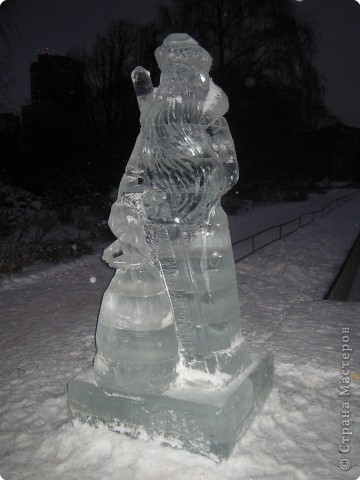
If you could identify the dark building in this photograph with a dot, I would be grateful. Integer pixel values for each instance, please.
(10, 145)
(9, 121)
(57, 79)
(51, 124)
(57, 89)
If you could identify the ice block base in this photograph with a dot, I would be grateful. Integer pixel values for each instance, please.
(198, 418)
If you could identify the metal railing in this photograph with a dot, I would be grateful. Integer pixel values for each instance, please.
(249, 245)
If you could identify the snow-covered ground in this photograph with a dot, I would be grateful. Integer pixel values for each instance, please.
(48, 318)
(268, 215)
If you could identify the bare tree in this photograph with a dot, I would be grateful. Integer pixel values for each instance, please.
(148, 40)
(109, 118)
(262, 56)
(8, 27)
(249, 40)
(108, 74)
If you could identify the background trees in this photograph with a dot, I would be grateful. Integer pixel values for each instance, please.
(108, 69)
(7, 24)
(110, 118)
(261, 58)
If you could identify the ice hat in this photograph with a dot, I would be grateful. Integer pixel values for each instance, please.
(183, 49)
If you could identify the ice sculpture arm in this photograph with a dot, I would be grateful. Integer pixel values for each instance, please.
(215, 107)
(223, 145)
(144, 89)
(127, 216)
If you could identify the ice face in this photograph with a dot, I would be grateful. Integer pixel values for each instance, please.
(174, 294)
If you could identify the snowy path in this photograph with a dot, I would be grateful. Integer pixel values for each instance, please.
(354, 294)
(264, 216)
(48, 322)
(264, 221)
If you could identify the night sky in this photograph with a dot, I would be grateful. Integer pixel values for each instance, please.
(62, 24)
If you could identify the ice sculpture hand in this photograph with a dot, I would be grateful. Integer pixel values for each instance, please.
(115, 257)
(144, 89)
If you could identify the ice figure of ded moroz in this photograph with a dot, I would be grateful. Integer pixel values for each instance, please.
(174, 296)
(171, 359)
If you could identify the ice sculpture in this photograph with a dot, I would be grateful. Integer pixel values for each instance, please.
(174, 294)
(169, 325)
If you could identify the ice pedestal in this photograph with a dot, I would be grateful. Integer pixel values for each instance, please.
(201, 418)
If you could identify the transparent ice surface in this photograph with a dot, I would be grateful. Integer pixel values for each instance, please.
(173, 297)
